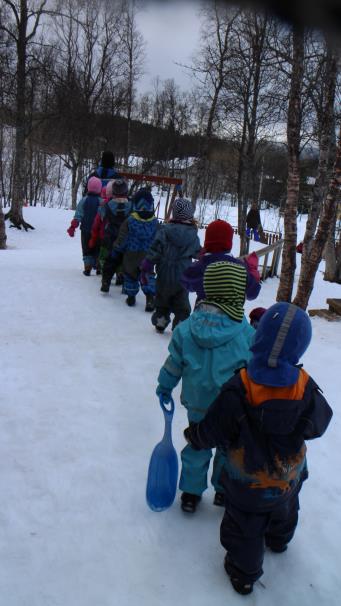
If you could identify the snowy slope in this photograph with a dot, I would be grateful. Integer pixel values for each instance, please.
(79, 419)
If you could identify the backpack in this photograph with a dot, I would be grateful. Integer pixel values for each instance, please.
(113, 221)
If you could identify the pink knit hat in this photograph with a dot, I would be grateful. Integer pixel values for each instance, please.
(94, 186)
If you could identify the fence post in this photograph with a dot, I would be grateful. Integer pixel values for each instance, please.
(265, 266)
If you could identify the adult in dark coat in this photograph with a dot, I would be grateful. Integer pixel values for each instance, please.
(253, 222)
(104, 171)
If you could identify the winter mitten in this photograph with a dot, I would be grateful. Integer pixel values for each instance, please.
(147, 266)
(143, 278)
(188, 437)
(72, 228)
(251, 262)
(165, 393)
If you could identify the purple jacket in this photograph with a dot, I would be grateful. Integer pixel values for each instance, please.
(193, 277)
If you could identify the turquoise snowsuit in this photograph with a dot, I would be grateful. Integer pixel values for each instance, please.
(205, 351)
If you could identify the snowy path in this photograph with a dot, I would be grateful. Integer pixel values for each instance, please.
(78, 422)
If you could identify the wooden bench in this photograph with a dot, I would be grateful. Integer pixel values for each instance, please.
(335, 305)
(333, 314)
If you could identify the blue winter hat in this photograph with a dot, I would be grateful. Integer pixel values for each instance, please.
(283, 335)
(143, 200)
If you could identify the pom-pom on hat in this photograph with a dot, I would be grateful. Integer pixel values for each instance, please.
(94, 186)
(282, 336)
(119, 187)
(218, 236)
(183, 210)
(143, 200)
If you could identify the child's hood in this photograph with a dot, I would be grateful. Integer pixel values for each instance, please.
(214, 329)
(277, 410)
(181, 235)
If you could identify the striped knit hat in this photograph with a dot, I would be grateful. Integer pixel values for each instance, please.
(182, 210)
(224, 286)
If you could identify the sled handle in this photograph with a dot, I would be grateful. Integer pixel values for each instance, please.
(167, 411)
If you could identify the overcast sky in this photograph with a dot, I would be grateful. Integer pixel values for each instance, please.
(171, 31)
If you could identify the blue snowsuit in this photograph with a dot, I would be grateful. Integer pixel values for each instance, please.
(134, 239)
(205, 351)
(172, 251)
(85, 213)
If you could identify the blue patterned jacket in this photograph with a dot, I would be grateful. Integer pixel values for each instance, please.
(134, 239)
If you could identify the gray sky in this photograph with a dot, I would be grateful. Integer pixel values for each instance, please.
(171, 31)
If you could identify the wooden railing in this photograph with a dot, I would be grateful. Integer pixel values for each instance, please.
(270, 256)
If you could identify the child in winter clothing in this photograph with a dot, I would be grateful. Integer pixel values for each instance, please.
(85, 215)
(175, 245)
(217, 247)
(134, 239)
(261, 419)
(110, 216)
(255, 316)
(205, 351)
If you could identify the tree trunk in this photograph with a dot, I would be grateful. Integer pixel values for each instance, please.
(329, 252)
(3, 236)
(327, 139)
(286, 283)
(306, 281)
(15, 215)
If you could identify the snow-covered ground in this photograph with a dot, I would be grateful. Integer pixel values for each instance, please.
(79, 419)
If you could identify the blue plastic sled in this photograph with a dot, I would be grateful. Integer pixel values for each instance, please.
(163, 467)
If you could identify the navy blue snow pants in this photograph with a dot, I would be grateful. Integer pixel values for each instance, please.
(244, 535)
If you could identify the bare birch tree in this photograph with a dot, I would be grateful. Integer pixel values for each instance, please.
(306, 282)
(294, 122)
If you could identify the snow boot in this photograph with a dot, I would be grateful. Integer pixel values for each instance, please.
(160, 322)
(276, 547)
(150, 303)
(87, 270)
(131, 300)
(98, 271)
(189, 502)
(105, 286)
(219, 499)
(238, 585)
(119, 280)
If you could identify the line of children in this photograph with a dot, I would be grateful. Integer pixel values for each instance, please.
(134, 239)
(260, 420)
(175, 245)
(85, 215)
(204, 352)
(244, 392)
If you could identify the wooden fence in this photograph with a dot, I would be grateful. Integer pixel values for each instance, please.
(269, 258)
